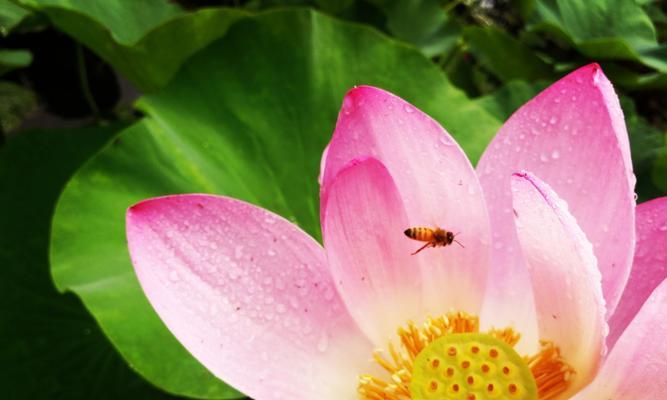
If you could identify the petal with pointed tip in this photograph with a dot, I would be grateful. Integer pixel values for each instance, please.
(564, 275)
(435, 181)
(368, 254)
(573, 136)
(238, 285)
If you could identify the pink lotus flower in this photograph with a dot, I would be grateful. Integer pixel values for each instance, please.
(522, 311)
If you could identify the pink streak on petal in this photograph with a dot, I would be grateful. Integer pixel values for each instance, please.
(649, 267)
(368, 253)
(573, 136)
(635, 368)
(248, 294)
(567, 289)
(435, 181)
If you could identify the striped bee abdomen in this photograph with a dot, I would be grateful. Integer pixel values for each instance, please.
(420, 233)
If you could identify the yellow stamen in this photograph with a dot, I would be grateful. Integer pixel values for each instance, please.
(551, 373)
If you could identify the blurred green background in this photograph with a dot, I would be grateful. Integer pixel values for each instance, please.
(106, 102)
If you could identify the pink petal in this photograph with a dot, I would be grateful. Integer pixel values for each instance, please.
(435, 181)
(573, 136)
(368, 254)
(248, 294)
(649, 267)
(323, 164)
(563, 270)
(635, 368)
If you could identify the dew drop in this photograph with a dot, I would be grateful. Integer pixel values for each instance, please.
(553, 120)
(544, 158)
(347, 105)
(271, 252)
(596, 77)
(446, 141)
(555, 154)
(408, 109)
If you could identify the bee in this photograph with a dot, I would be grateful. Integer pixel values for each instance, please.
(434, 237)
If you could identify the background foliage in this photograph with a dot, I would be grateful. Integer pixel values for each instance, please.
(106, 102)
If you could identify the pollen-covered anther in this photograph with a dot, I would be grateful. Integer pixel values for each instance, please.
(448, 358)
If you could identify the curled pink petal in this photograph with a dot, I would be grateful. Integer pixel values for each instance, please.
(435, 182)
(573, 136)
(650, 264)
(566, 282)
(637, 366)
(368, 254)
(240, 286)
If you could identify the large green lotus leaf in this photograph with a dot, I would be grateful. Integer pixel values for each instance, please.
(146, 41)
(51, 346)
(254, 129)
(603, 29)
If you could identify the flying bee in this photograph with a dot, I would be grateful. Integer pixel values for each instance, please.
(434, 237)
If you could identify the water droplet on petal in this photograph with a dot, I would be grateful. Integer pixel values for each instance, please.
(408, 109)
(446, 141)
(555, 154)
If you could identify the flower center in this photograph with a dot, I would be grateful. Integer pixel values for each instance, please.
(448, 358)
(471, 366)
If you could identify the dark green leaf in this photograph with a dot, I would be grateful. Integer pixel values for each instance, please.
(603, 29)
(659, 172)
(504, 101)
(423, 23)
(146, 40)
(12, 59)
(646, 144)
(16, 102)
(10, 16)
(506, 57)
(223, 127)
(51, 347)
(126, 21)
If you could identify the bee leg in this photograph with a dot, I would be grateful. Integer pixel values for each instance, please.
(423, 247)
